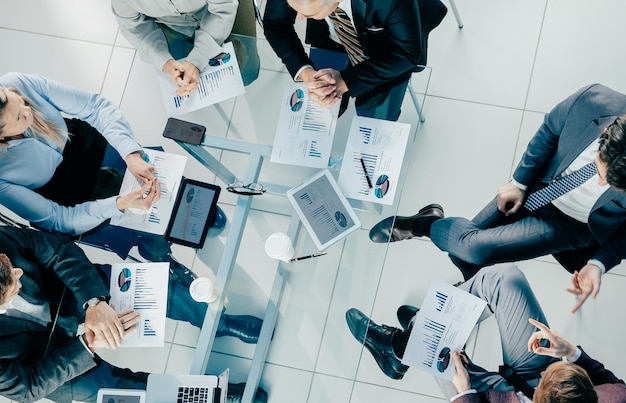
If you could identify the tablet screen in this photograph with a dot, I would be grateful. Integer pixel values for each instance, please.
(323, 210)
(193, 212)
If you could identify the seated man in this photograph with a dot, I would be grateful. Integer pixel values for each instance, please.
(163, 32)
(566, 198)
(527, 353)
(384, 41)
(43, 273)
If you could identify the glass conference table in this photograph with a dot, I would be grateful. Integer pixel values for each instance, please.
(305, 301)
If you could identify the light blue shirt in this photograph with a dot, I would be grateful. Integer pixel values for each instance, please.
(30, 163)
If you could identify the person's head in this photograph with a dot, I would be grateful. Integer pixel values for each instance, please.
(17, 115)
(316, 9)
(564, 382)
(9, 280)
(611, 159)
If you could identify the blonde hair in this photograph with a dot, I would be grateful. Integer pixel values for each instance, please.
(6, 279)
(40, 128)
(565, 382)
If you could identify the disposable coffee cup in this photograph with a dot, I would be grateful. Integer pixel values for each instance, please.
(202, 290)
(278, 246)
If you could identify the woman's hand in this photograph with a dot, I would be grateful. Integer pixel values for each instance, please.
(142, 198)
(138, 167)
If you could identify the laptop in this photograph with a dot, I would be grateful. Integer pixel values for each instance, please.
(170, 388)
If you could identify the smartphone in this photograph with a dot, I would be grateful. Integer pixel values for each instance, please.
(181, 130)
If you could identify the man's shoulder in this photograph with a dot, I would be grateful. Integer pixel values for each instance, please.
(606, 100)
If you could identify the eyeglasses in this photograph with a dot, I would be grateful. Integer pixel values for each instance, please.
(250, 189)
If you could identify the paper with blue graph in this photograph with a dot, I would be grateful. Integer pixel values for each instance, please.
(142, 287)
(305, 130)
(372, 159)
(168, 169)
(219, 80)
(442, 325)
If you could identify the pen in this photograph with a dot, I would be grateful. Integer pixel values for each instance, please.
(295, 259)
(369, 181)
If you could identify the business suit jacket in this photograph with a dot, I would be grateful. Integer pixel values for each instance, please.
(51, 262)
(567, 130)
(610, 389)
(392, 33)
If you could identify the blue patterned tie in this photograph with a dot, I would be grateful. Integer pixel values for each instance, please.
(559, 187)
(347, 35)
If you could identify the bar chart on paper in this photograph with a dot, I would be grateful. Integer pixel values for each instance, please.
(443, 325)
(217, 83)
(142, 287)
(381, 144)
(168, 170)
(305, 131)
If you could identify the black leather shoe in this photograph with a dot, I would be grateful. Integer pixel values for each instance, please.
(219, 221)
(406, 227)
(378, 341)
(244, 327)
(235, 393)
(405, 313)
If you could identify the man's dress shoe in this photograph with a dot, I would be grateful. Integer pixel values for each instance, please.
(390, 230)
(405, 313)
(378, 341)
(235, 394)
(244, 327)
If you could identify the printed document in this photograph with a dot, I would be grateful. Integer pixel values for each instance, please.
(168, 169)
(375, 148)
(442, 325)
(219, 80)
(142, 287)
(305, 131)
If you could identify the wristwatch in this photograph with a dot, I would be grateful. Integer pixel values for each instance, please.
(94, 301)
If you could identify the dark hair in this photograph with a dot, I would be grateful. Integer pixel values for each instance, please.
(564, 382)
(612, 152)
(6, 277)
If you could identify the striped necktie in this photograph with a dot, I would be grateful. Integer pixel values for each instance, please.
(347, 35)
(559, 187)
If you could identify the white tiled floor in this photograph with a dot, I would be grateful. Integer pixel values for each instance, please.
(491, 83)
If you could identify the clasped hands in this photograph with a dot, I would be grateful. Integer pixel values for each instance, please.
(585, 282)
(325, 87)
(106, 328)
(185, 75)
(558, 347)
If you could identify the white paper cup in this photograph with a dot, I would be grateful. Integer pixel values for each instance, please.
(278, 246)
(202, 290)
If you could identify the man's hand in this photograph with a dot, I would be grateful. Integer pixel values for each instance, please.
(461, 378)
(174, 69)
(325, 87)
(102, 320)
(189, 80)
(509, 198)
(559, 347)
(139, 167)
(128, 319)
(142, 198)
(585, 283)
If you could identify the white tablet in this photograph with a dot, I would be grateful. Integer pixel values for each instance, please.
(323, 209)
(121, 396)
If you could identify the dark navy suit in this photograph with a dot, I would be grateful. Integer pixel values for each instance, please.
(392, 33)
(492, 238)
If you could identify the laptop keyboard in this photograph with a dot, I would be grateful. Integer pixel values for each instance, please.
(193, 394)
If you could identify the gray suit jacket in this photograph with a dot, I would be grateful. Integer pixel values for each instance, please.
(51, 263)
(567, 130)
